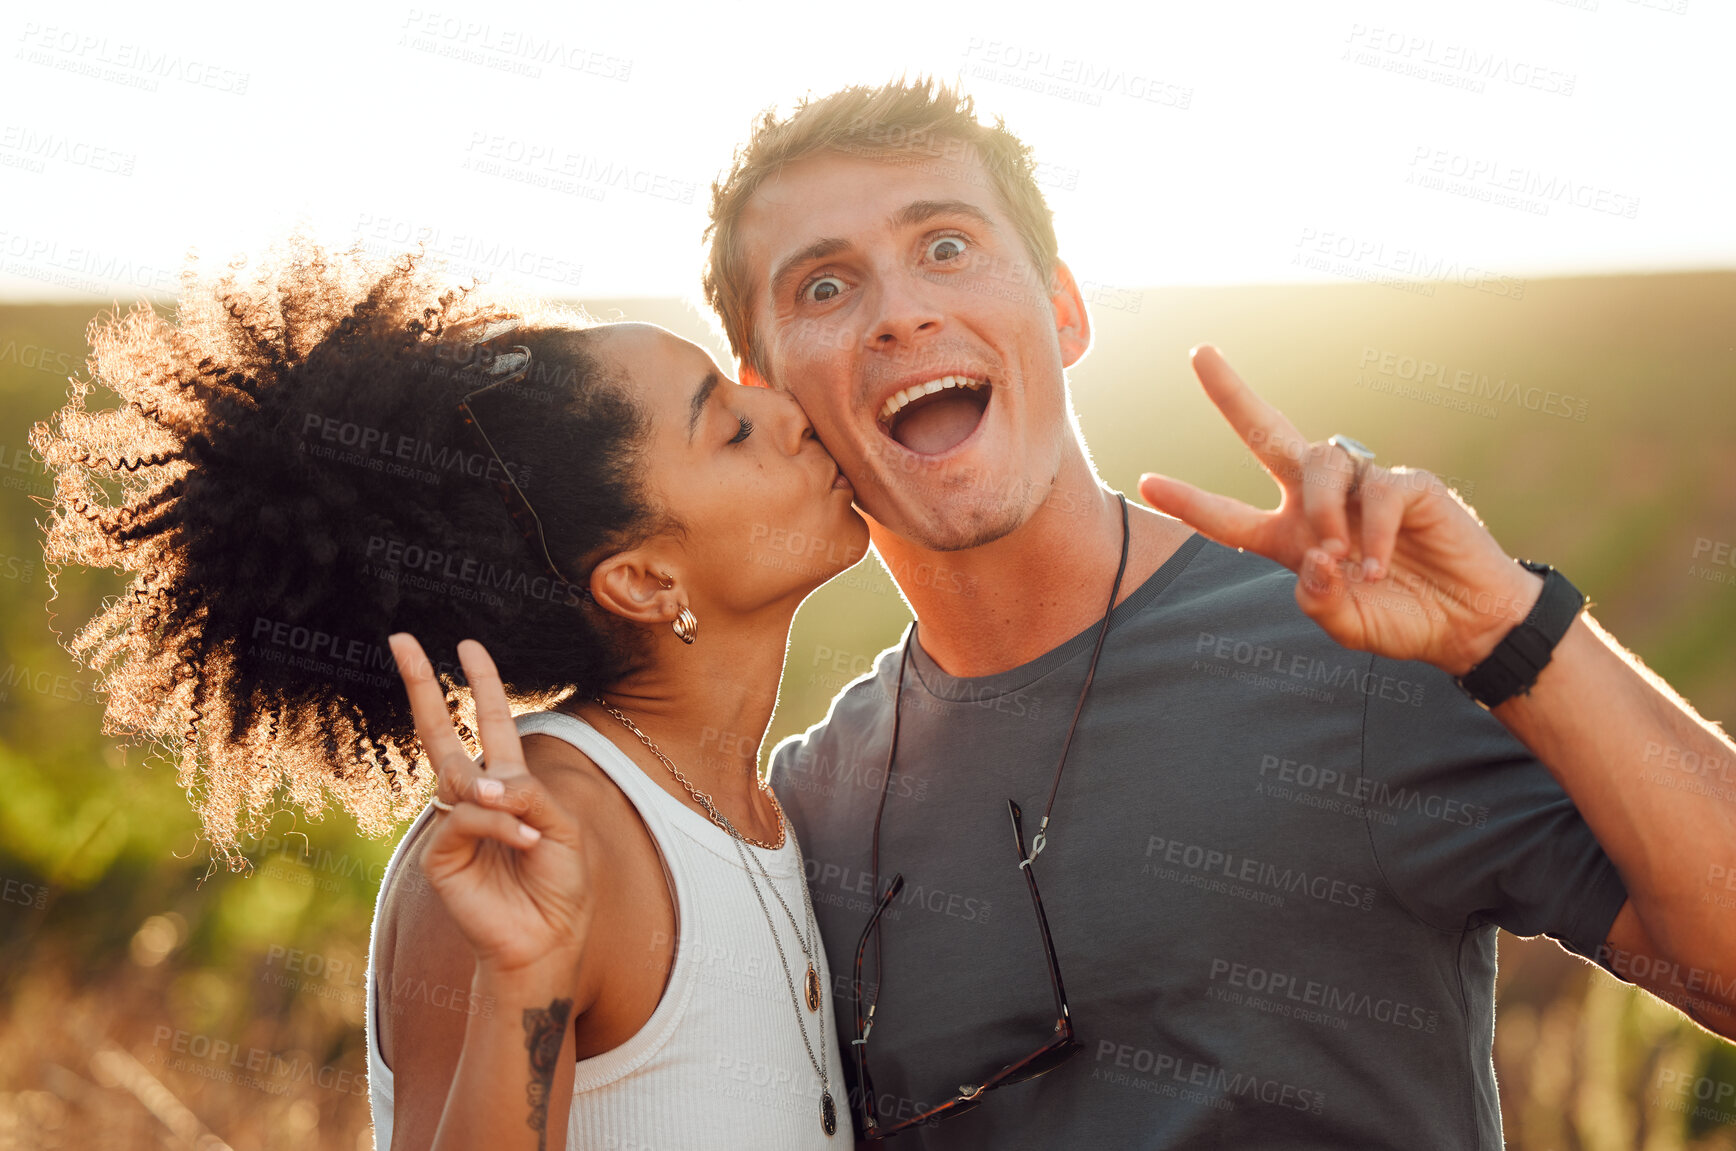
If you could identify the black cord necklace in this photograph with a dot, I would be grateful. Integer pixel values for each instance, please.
(1041, 840)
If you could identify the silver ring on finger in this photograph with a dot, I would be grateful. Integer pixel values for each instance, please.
(1361, 455)
(442, 805)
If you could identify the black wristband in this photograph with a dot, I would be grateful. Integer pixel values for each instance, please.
(1525, 651)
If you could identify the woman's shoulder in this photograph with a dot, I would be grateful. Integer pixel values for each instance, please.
(631, 957)
(587, 790)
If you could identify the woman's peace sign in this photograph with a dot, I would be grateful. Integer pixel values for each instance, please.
(506, 859)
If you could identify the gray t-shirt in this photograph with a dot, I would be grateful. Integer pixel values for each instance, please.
(1274, 874)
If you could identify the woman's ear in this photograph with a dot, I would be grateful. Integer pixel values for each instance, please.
(631, 585)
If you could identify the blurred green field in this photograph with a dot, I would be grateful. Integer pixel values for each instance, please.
(148, 999)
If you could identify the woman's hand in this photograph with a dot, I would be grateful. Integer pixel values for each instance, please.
(1395, 564)
(508, 861)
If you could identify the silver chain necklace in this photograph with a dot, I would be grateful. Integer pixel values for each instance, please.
(809, 940)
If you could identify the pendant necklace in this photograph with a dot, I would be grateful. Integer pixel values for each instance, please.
(809, 941)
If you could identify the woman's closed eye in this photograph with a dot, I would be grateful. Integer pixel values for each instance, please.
(744, 429)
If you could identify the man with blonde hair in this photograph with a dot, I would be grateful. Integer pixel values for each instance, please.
(1261, 840)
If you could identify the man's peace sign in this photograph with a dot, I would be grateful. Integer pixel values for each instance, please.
(1389, 560)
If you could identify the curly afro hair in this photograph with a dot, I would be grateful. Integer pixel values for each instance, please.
(287, 481)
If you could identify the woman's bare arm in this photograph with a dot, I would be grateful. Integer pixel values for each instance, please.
(508, 865)
(522, 1051)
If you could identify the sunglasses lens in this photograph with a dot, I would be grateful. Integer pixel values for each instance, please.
(1044, 1061)
(957, 1109)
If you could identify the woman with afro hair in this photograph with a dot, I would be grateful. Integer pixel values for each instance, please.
(317, 470)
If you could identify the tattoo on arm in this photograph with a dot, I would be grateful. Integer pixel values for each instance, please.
(545, 1029)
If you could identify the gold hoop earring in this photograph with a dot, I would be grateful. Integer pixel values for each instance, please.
(686, 625)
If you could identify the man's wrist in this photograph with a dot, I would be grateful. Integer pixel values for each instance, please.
(1498, 612)
(1519, 657)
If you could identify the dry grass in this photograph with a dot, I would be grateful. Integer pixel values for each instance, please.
(1584, 1063)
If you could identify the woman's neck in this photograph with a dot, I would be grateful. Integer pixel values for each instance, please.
(707, 707)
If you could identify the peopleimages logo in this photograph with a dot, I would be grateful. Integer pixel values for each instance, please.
(38, 358)
(393, 236)
(507, 48)
(1085, 81)
(1485, 177)
(1218, 1087)
(409, 563)
(1371, 792)
(132, 65)
(1452, 64)
(549, 164)
(1307, 669)
(1405, 268)
(850, 881)
(368, 443)
(39, 147)
(1251, 982)
(1386, 366)
(229, 1059)
(320, 644)
(1211, 862)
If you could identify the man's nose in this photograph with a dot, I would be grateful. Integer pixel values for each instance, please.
(790, 421)
(907, 311)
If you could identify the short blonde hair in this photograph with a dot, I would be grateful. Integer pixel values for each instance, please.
(915, 123)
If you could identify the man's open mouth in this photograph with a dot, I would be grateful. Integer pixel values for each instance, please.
(936, 415)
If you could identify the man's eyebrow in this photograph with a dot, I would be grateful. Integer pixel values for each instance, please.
(697, 407)
(916, 212)
(818, 250)
(922, 211)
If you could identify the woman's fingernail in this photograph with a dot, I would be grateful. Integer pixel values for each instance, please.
(528, 833)
(489, 789)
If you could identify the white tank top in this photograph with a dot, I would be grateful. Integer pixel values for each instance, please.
(720, 1063)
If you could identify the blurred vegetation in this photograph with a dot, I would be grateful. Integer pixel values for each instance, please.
(151, 1000)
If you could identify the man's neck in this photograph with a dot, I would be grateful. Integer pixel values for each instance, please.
(991, 608)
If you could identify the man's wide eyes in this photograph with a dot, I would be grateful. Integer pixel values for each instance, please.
(940, 250)
(944, 248)
(823, 289)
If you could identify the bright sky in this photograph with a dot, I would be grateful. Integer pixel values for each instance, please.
(570, 146)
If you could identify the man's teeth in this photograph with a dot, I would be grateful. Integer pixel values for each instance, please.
(916, 391)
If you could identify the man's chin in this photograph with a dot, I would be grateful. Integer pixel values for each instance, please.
(946, 524)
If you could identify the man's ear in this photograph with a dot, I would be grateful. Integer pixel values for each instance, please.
(1072, 321)
(637, 587)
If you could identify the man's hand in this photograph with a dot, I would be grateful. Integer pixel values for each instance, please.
(1403, 568)
(1400, 566)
